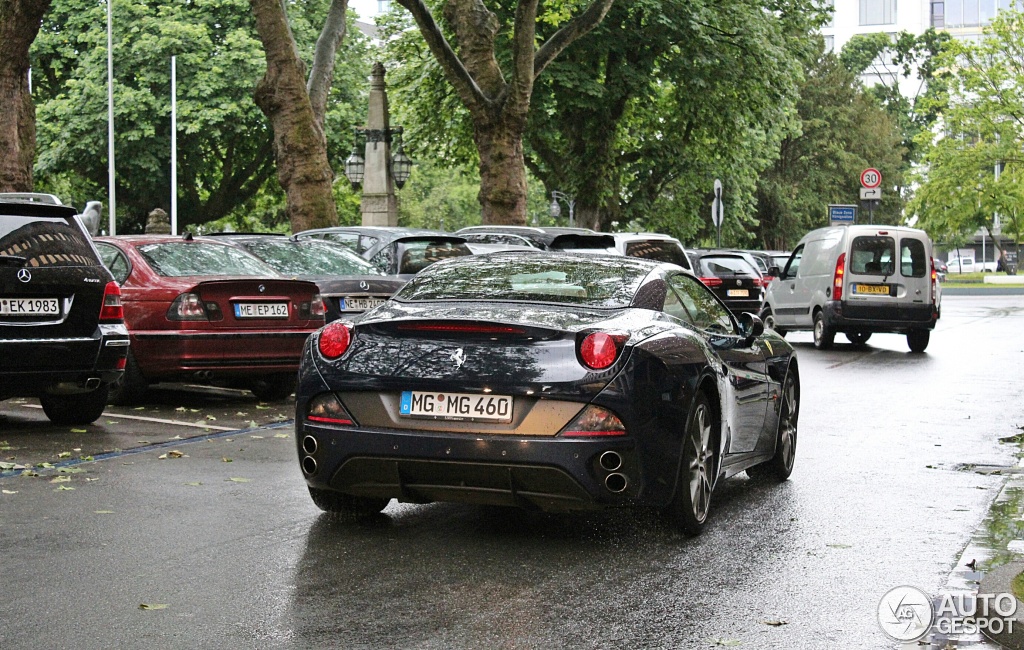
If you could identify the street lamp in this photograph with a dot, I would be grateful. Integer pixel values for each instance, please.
(556, 209)
(355, 164)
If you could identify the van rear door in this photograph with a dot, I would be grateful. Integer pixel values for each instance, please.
(872, 283)
(915, 296)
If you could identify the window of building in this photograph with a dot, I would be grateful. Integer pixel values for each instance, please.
(383, 5)
(830, 43)
(878, 12)
(938, 14)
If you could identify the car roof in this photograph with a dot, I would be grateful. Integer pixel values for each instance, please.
(35, 208)
(633, 236)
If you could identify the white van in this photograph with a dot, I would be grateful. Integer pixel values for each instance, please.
(857, 280)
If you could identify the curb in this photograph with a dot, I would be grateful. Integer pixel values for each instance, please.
(998, 581)
(991, 291)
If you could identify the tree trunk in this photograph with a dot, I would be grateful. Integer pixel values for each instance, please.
(502, 174)
(299, 144)
(19, 23)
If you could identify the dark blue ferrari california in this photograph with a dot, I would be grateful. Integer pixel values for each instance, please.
(547, 381)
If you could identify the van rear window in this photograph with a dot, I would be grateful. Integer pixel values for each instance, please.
(913, 261)
(874, 255)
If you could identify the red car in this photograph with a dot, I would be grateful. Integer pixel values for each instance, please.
(201, 310)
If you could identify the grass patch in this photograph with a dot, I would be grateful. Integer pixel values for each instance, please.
(1018, 586)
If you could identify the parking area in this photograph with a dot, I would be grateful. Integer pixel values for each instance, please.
(172, 412)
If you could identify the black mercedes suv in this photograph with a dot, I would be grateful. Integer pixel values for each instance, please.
(62, 332)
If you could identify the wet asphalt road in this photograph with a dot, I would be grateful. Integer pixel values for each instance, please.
(224, 546)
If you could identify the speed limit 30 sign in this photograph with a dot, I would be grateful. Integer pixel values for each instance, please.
(871, 177)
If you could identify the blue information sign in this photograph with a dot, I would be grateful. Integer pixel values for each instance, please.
(842, 213)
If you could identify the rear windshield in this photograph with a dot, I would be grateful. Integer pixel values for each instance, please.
(45, 242)
(593, 282)
(180, 259)
(723, 266)
(417, 254)
(663, 251)
(913, 261)
(873, 255)
(310, 257)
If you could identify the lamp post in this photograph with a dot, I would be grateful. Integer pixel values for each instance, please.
(371, 163)
(556, 209)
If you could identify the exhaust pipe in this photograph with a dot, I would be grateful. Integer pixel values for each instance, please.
(203, 375)
(309, 445)
(616, 482)
(92, 383)
(309, 465)
(611, 460)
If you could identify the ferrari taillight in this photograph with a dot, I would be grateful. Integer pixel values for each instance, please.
(598, 350)
(111, 309)
(187, 306)
(334, 339)
(837, 279)
(326, 409)
(594, 421)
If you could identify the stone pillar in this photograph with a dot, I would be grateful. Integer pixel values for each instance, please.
(379, 207)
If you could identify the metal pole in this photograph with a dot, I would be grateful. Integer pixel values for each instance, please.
(174, 145)
(572, 213)
(110, 119)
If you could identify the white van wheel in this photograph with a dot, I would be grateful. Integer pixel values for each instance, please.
(769, 322)
(823, 334)
(918, 340)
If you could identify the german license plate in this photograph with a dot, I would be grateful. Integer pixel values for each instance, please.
(261, 310)
(737, 293)
(29, 307)
(360, 304)
(456, 406)
(872, 289)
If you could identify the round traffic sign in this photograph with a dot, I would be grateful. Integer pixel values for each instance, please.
(871, 177)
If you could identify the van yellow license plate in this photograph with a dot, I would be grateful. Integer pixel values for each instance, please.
(871, 289)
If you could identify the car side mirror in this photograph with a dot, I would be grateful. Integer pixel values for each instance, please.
(751, 327)
(775, 272)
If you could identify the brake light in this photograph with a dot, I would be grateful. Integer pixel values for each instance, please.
(316, 306)
(111, 308)
(763, 281)
(121, 363)
(935, 278)
(460, 328)
(837, 279)
(326, 409)
(599, 350)
(334, 339)
(712, 282)
(594, 421)
(186, 307)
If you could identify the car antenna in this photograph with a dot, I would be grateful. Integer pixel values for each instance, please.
(187, 236)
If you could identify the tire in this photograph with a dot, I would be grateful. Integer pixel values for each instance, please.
(824, 335)
(769, 322)
(81, 408)
(273, 387)
(918, 340)
(346, 506)
(131, 388)
(858, 338)
(692, 501)
(780, 466)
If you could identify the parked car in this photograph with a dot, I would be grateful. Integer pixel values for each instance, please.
(962, 265)
(394, 251)
(859, 280)
(579, 240)
(732, 277)
(652, 246)
(348, 283)
(202, 310)
(62, 332)
(574, 382)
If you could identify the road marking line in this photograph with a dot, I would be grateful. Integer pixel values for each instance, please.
(156, 420)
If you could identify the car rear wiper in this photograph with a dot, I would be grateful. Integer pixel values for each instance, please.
(12, 260)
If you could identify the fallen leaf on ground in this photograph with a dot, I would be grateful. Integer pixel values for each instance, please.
(240, 413)
(195, 483)
(180, 408)
(176, 438)
(281, 435)
(64, 454)
(776, 623)
(252, 424)
(193, 410)
(226, 459)
(45, 465)
(70, 470)
(88, 458)
(139, 408)
(262, 407)
(725, 642)
(257, 437)
(91, 479)
(280, 417)
(79, 431)
(104, 512)
(113, 422)
(153, 605)
(77, 449)
(4, 466)
(60, 479)
(10, 491)
(238, 479)
(64, 487)
(211, 418)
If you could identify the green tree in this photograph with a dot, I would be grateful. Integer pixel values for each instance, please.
(981, 127)
(19, 24)
(493, 66)
(225, 146)
(842, 131)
